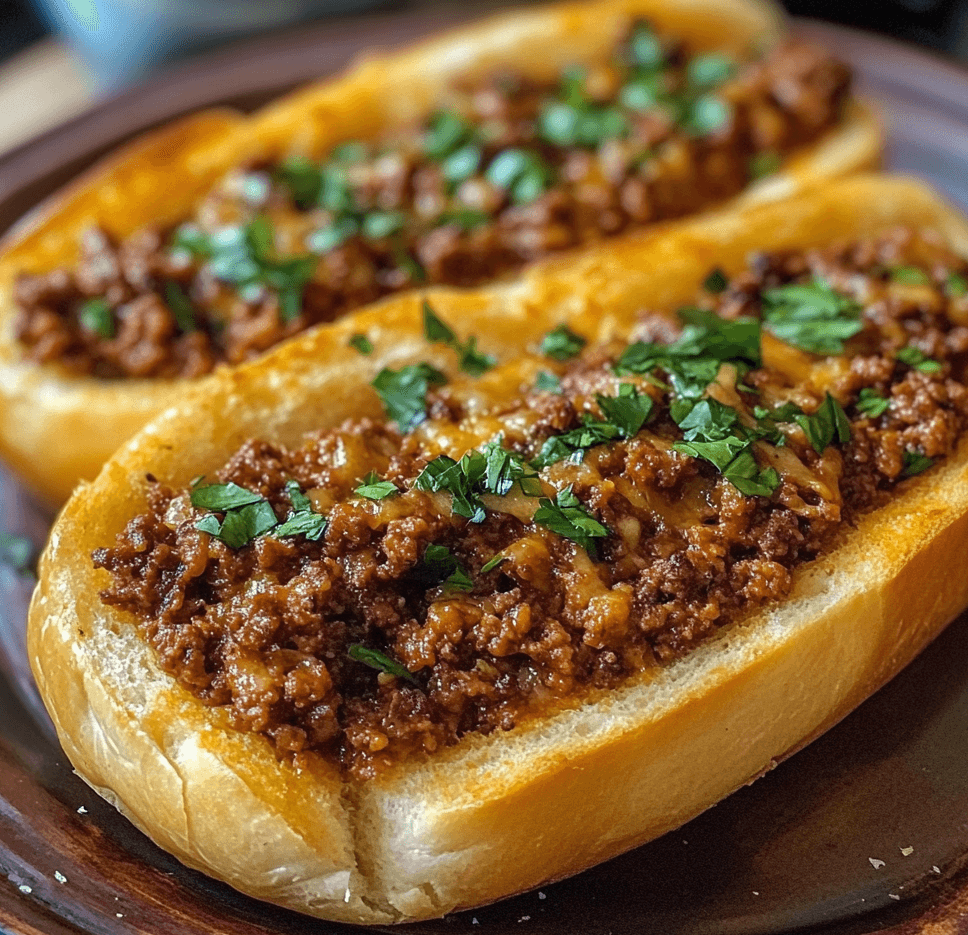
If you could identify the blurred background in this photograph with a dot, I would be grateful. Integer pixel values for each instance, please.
(59, 56)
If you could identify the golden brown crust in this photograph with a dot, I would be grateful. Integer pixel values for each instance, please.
(493, 814)
(77, 422)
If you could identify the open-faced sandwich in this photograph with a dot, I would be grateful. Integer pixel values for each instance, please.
(456, 162)
(477, 588)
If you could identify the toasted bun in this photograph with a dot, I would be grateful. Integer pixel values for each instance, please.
(56, 428)
(495, 814)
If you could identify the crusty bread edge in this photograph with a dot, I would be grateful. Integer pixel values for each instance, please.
(491, 815)
(77, 422)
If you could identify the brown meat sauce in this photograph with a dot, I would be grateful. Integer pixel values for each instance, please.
(265, 630)
(171, 312)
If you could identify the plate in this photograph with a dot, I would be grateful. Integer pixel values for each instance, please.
(864, 831)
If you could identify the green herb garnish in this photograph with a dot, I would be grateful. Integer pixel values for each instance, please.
(303, 523)
(812, 316)
(828, 423)
(97, 315)
(562, 344)
(522, 173)
(872, 404)
(222, 497)
(763, 164)
(567, 517)
(547, 382)
(917, 359)
(909, 276)
(956, 285)
(404, 392)
(181, 307)
(361, 343)
(493, 563)
(915, 463)
(375, 489)
(444, 569)
(240, 526)
(715, 282)
(709, 70)
(471, 360)
(377, 660)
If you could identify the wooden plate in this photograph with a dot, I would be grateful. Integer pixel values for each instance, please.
(864, 831)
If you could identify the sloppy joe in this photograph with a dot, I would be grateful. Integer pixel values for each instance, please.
(542, 528)
(504, 173)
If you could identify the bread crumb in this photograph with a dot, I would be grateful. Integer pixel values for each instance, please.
(59, 877)
(907, 851)
(875, 863)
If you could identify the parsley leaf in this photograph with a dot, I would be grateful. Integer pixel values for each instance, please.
(628, 411)
(240, 526)
(733, 458)
(522, 173)
(547, 382)
(870, 403)
(222, 497)
(812, 316)
(443, 568)
(715, 282)
(915, 463)
(709, 70)
(361, 343)
(562, 344)
(917, 359)
(377, 660)
(829, 422)
(909, 276)
(181, 307)
(458, 478)
(303, 523)
(763, 164)
(97, 315)
(493, 563)
(375, 489)
(404, 392)
(471, 360)
(300, 502)
(567, 517)
(956, 285)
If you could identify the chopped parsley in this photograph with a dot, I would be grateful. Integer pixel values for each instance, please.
(522, 173)
(915, 463)
(361, 343)
(811, 316)
(827, 424)
(956, 285)
(733, 457)
(917, 359)
(909, 276)
(375, 489)
(763, 164)
(97, 315)
(181, 307)
(562, 344)
(17, 552)
(377, 660)
(404, 392)
(624, 414)
(567, 517)
(694, 359)
(547, 382)
(872, 404)
(493, 470)
(471, 360)
(446, 133)
(573, 119)
(246, 258)
(248, 515)
(715, 282)
(710, 70)
(492, 563)
(442, 568)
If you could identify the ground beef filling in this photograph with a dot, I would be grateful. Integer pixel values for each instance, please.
(265, 630)
(512, 172)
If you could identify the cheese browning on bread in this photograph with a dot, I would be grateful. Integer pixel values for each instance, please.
(502, 549)
(504, 171)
